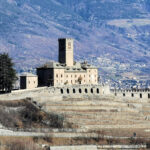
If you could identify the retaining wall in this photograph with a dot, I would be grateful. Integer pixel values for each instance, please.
(132, 94)
(76, 91)
(99, 147)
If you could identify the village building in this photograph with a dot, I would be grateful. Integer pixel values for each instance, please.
(28, 81)
(66, 71)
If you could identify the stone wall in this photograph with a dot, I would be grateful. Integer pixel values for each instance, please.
(76, 91)
(132, 94)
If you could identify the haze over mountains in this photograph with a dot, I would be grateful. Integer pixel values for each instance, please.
(118, 30)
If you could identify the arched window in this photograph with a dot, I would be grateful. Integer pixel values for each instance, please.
(68, 91)
(91, 90)
(86, 91)
(124, 94)
(80, 91)
(61, 90)
(140, 95)
(97, 91)
(132, 95)
(74, 91)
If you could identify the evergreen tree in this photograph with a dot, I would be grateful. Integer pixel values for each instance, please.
(7, 73)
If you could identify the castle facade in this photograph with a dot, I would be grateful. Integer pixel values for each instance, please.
(66, 71)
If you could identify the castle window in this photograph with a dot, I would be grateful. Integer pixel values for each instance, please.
(61, 91)
(97, 91)
(29, 82)
(140, 95)
(57, 75)
(66, 76)
(61, 75)
(75, 76)
(74, 91)
(86, 91)
(91, 90)
(71, 76)
(68, 91)
(124, 94)
(148, 95)
(132, 95)
(69, 45)
(80, 91)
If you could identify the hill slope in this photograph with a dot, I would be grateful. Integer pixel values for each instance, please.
(117, 30)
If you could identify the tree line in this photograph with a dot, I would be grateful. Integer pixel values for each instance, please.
(7, 73)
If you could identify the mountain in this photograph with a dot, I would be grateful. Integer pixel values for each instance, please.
(110, 31)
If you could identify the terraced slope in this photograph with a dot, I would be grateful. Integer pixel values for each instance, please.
(113, 116)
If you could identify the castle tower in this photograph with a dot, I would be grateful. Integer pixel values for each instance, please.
(66, 51)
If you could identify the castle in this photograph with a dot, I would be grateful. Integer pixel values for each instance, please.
(66, 71)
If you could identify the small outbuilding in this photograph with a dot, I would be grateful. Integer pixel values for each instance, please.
(28, 81)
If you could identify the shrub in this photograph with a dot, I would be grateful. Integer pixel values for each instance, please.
(56, 121)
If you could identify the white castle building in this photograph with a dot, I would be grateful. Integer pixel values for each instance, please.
(66, 71)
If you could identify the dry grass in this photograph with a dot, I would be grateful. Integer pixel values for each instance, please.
(18, 143)
(24, 114)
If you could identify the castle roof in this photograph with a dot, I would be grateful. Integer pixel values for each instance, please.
(76, 67)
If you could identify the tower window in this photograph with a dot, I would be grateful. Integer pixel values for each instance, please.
(69, 45)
